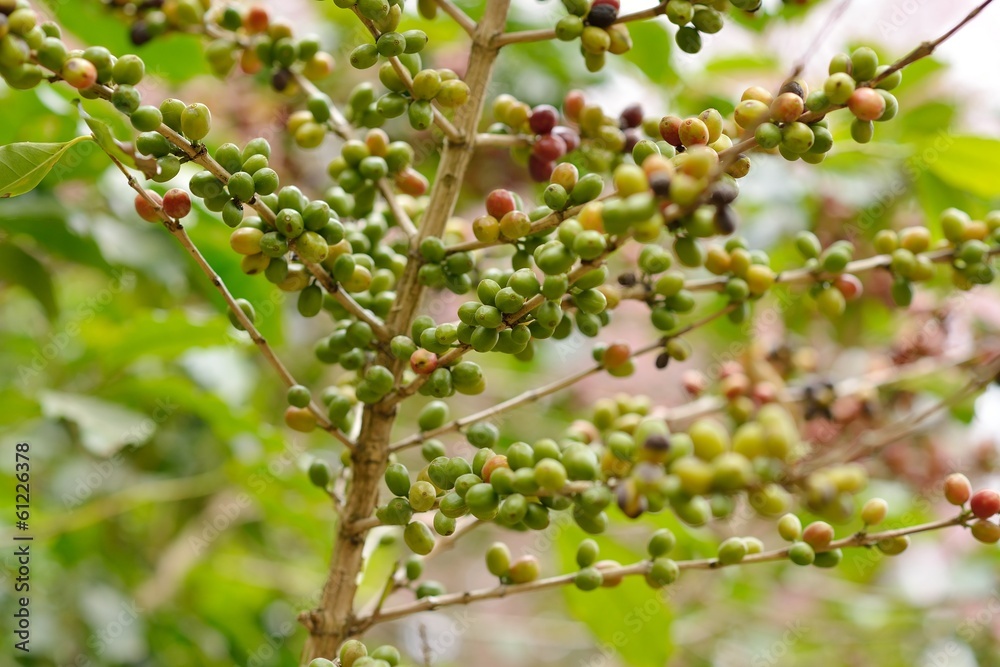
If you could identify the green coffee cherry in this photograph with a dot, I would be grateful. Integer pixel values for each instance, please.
(418, 538)
(196, 121)
(587, 553)
(498, 559)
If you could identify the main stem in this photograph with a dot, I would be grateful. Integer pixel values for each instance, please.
(331, 623)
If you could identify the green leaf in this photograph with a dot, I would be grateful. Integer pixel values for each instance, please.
(17, 267)
(650, 52)
(24, 165)
(104, 137)
(966, 163)
(103, 428)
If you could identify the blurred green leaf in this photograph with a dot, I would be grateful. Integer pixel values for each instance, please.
(101, 427)
(24, 165)
(967, 163)
(17, 267)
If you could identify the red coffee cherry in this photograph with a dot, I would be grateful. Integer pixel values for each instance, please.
(146, 210)
(543, 118)
(423, 362)
(176, 203)
(500, 202)
(985, 503)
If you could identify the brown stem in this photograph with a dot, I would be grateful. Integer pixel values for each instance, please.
(333, 622)
(641, 568)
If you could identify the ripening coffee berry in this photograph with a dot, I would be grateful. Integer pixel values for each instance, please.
(866, 104)
(524, 570)
(147, 210)
(176, 203)
(986, 532)
(79, 73)
(498, 559)
(957, 489)
(126, 99)
(300, 419)
(196, 121)
(818, 534)
(985, 503)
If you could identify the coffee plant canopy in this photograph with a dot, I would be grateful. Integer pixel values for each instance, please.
(373, 333)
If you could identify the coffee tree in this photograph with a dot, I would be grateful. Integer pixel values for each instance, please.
(428, 274)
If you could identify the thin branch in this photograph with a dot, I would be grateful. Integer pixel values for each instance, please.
(550, 33)
(460, 17)
(549, 221)
(491, 140)
(551, 388)
(985, 373)
(434, 602)
(884, 377)
(817, 40)
(177, 230)
(805, 275)
(927, 48)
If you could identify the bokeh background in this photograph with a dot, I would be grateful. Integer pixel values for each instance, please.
(173, 519)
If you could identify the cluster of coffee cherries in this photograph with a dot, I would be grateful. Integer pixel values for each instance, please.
(258, 43)
(362, 164)
(242, 35)
(695, 18)
(596, 573)
(973, 242)
(837, 287)
(595, 25)
(983, 505)
(793, 123)
(428, 85)
(354, 653)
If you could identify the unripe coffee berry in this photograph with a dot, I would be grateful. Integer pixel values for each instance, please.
(874, 511)
(128, 70)
(986, 532)
(196, 121)
(498, 559)
(524, 570)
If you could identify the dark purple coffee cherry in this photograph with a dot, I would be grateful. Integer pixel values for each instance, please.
(602, 15)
